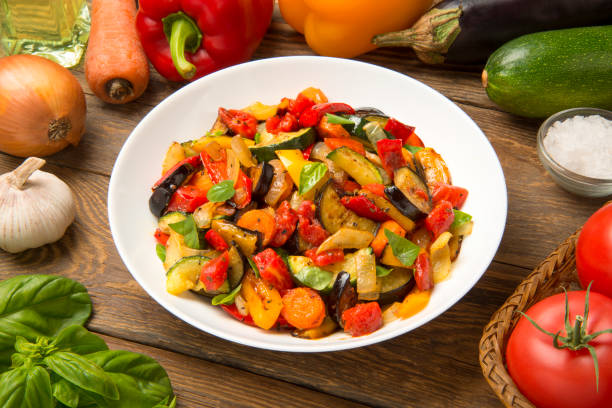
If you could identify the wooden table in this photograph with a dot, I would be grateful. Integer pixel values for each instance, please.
(433, 366)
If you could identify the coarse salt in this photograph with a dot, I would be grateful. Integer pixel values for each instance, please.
(582, 144)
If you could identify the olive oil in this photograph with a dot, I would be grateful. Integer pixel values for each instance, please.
(55, 29)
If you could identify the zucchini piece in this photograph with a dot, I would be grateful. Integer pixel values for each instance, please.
(333, 215)
(357, 166)
(235, 271)
(414, 188)
(201, 289)
(248, 241)
(170, 218)
(374, 132)
(395, 286)
(369, 115)
(284, 141)
(184, 274)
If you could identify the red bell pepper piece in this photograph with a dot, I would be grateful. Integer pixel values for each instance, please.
(403, 132)
(325, 258)
(193, 161)
(440, 218)
(299, 105)
(187, 199)
(214, 272)
(312, 116)
(160, 237)
(390, 153)
(273, 270)
(240, 122)
(350, 186)
(289, 123)
(376, 188)
(306, 152)
(244, 190)
(454, 194)
(363, 207)
(187, 39)
(217, 170)
(423, 274)
(216, 241)
(309, 228)
(286, 221)
(272, 124)
(336, 142)
(363, 318)
(233, 311)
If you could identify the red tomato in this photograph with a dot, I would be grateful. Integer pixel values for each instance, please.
(273, 270)
(594, 252)
(214, 272)
(561, 378)
(440, 218)
(240, 122)
(286, 220)
(309, 228)
(363, 318)
(160, 237)
(454, 194)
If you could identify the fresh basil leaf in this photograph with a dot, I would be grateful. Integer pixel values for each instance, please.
(339, 120)
(315, 278)
(226, 298)
(221, 192)
(26, 387)
(460, 219)
(412, 149)
(161, 252)
(403, 249)
(141, 381)
(83, 373)
(254, 267)
(310, 175)
(189, 230)
(257, 138)
(381, 271)
(66, 393)
(77, 339)
(38, 305)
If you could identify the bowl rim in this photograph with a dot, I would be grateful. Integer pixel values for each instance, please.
(558, 168)
(338, 345)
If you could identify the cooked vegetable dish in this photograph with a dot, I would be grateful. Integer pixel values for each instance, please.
(308, 215)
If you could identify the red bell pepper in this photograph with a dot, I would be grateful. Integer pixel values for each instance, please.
(390, 153)
(273, 270)
(363, 318)
(440, 218)
(187, 199)
(187, 39)
(349, 186)
(161, 237)
(193, 161)
(214, 272)
(403, 132)
(299, 105)
(376, 188)
(325, 258)
(309, 228)
(216, 240)
(244, 190)
(240, 122)
(336, 142)
(363, 207)
(217, 170)
(307, 151)
(423, 274)
(312, 116)
(286, 221)
(454, 194)
(233, 311)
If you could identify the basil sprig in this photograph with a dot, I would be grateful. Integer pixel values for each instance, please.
(161, 252)
(315, 278)
(226, 298)
(403, 249)
(381, 271)
(189, 230)
(221, 192)
(460, 219)
(310, 175)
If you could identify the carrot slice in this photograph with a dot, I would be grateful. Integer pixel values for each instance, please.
(259, 220)
(116, 66)
(380, 240)
(303, 308)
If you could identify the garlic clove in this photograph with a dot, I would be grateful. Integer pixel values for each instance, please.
(36, 207)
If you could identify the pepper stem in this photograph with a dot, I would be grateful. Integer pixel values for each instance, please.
(183, 34)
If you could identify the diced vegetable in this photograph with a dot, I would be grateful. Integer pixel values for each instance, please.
(380, 241)
(184, 274)
(214, 273)
(263, 301)
(261, 221)
(413, 303)
(362, 319)
(342, 297)
(365, 263)
(303, 308)
(439, 255)
(346, 238)
(433, 166)
(281, 185)
(440, 218)
(248, 241)
(333, 215)
(357, 166)
(273, 269)
(284, 141)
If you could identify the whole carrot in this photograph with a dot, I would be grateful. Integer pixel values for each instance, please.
(116, 66)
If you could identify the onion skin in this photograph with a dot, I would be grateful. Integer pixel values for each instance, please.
(42, 106)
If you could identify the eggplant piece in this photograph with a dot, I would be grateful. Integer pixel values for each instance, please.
(163, 190)
(262, 178)
(333, 215)
(403, 204)
(414, 188)
(395, 286)
(368, 110)
(343, 296)
(473, 29)
(248, 241)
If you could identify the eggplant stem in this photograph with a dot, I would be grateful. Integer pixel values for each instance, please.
(18, 177)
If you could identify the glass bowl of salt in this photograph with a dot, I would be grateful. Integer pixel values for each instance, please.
(575, 147)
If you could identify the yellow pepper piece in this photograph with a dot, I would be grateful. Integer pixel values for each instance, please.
(224, 141)
(261, 111)
(294, 162)
(263, 301)
(344, 28)
(413, 303)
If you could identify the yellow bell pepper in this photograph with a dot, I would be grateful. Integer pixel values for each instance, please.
(413, 303)
(294, 162)
(344, 28)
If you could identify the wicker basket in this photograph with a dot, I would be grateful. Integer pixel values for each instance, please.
(556, 272)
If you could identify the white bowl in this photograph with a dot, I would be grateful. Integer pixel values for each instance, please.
(189, 113)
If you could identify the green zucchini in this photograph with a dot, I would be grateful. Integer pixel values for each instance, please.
(357, 166)
(284, 141)
(539, 74)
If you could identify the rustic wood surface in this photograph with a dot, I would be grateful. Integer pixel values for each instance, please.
(433, 366)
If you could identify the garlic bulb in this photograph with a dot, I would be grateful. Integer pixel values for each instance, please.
(35, 207)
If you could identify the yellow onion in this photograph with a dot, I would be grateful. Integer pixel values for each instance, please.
(42, 106)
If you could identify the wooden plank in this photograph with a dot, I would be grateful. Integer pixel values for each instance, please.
(199, 383)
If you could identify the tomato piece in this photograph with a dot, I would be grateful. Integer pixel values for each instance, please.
(187, 199)
(309, 228)
(390, 153)
(312, 116)
(161, 237)
(363, 207)
(594, 251)
(299, 105)
(286, 221)
(325, 258)
(288, 123)
(214, 272)
(262, 299)
(446, 192)
(562, 378)
(216, 240)
(272, 124)
(273, 269)
(403, 132)
(440, 218)
(240, 122)
(363, 318)
(336, 142)
(423, 273)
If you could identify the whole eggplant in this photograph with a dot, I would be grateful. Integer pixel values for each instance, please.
(468, 31)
